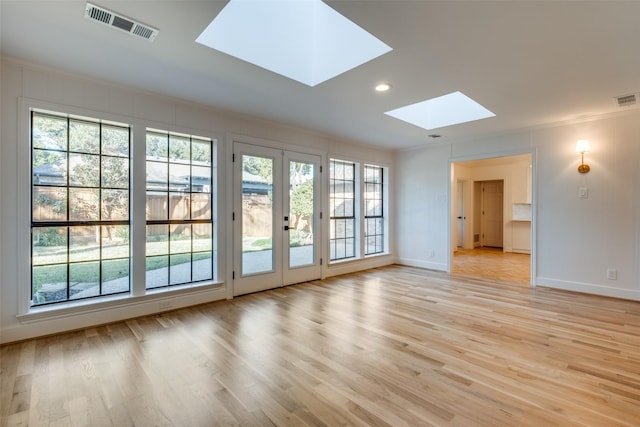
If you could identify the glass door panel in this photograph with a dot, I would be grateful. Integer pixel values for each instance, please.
(257, 208)
(257, 214)
(276, 218)
(301, 213)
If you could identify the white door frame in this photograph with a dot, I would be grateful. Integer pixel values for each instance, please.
(281, 274)
(451, 205)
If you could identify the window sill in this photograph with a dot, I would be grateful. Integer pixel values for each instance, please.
(344, 261)
(377, 255)
(120, 301)
(356, 259)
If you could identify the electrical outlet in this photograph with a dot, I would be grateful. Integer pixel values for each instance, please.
(432, 253)
(166, 304)
(612, 274)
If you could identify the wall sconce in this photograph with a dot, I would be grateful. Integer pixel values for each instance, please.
(582, 147)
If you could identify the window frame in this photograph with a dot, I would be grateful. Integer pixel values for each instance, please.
(354, 209)
(379, 235)
(68, 223)
(360, 211)
(137, 294)
(170, 223)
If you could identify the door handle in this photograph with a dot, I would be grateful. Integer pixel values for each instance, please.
(286, 228)
(459, 217)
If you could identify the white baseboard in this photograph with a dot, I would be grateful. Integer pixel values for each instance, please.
(49, 322)
(589, 288)
(431, 265)
(346, 267)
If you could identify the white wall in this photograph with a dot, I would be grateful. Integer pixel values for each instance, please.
(576, 240)
(422, 187)
(22, 83)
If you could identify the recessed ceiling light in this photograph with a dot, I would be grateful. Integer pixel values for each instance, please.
(383, 87)
(446, 110)
(306, 41)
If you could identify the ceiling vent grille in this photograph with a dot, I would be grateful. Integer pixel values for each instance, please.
(626, 100)
(120, 22)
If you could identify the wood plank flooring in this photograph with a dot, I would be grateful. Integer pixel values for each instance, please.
(492, 263)
(395, 346)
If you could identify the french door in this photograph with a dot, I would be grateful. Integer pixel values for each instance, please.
(276, 218)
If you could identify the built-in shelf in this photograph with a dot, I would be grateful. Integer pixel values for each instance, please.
(521, 212)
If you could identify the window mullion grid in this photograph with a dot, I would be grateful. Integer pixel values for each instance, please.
(68, 263)
(168, 208)
(377, 183)
(73, 224)
(100, 236)
(32, 204)
(344, 240)
(68, 212)
(190, 207)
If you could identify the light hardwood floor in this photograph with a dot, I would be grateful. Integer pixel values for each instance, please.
(395, 346)
(492, 263)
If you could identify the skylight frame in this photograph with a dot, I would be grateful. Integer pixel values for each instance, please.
(446, 110)
(304, 40)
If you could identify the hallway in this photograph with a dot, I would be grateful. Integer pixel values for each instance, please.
(492, 263)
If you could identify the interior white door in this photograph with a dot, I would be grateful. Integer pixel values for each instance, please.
(492, 208)
(276, 218)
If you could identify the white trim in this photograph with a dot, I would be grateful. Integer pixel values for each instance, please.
(230, 139)
(23, 204)
(437, 266)
(354, 265)
(589, 288)
(263, 142)
(534, 217)
(137, 211)
(360, 208)
(71, 318)
(491, 155)
(362, 160)
(105, 308)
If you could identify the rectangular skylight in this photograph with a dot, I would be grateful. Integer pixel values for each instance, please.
(304, 40)
(446, 110)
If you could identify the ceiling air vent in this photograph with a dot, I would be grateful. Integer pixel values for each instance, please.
(626, 100)
(123, 23)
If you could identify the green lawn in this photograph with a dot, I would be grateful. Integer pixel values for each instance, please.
(50, 262)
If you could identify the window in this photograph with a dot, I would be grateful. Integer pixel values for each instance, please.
(82, 214)
(374, 208)
(179, 245)
(342, 208)
(79, 208)
(357, 205)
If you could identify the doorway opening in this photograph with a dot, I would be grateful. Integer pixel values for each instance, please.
(491, 226)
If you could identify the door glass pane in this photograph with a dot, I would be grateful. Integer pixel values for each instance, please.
(257, 214)
(301, 197)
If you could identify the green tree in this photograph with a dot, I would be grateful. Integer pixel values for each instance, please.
(261, 166)
(301, 204)
(85, 142)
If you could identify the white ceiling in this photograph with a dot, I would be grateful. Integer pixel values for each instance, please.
(531, 63)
